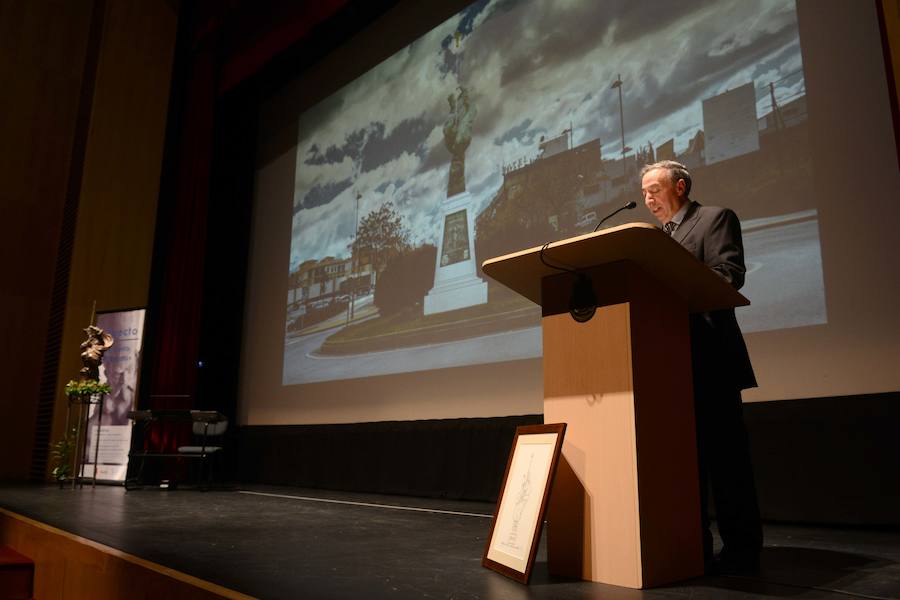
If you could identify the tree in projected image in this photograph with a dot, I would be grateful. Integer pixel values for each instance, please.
(381, 236)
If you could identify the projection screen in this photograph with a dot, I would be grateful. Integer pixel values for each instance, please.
(511, 124)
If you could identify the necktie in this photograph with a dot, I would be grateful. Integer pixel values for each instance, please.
(669, 227)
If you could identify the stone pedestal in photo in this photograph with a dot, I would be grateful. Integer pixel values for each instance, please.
(456, 283)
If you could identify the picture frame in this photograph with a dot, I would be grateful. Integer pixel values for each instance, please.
(519, 517)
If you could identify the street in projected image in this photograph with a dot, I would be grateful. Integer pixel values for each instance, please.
(516, 123)
(775, 254)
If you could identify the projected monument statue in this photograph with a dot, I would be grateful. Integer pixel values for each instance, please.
(457, 136)
(456, 284)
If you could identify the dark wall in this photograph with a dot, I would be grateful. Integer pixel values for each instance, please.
(822, 460)
(82, 128)
(41, 146)
(828, 460)
(448, 458)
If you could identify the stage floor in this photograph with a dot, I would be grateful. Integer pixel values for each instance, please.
(273, 542)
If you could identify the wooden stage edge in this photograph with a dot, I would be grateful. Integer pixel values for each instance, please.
(70, 566)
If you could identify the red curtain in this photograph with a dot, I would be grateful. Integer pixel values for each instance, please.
(229, 42)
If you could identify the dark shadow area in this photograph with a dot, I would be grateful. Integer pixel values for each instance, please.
(787, 571)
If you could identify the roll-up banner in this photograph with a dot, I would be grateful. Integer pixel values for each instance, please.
(120, 369)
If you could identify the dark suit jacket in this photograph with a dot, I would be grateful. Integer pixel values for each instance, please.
(719, 354)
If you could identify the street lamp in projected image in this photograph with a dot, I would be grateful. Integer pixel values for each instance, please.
(354, 260)
(618, 84)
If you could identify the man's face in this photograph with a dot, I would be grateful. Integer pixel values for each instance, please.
(662, 197)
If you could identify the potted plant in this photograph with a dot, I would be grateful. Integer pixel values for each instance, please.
(61, 452)
(82, 388)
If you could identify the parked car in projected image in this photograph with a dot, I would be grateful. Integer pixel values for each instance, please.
(587, 219)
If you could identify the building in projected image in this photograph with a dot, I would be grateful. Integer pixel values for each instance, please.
(564, 190)
(317, 279)
(541, 197)
(319, 289)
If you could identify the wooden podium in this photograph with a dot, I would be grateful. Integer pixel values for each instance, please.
(625, 505)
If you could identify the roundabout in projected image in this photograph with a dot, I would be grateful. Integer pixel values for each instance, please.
(303, 365)
(779, 249)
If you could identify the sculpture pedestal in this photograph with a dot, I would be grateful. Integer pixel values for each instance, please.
(456, 283)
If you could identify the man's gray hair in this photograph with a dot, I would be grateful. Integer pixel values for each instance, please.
(676, 171)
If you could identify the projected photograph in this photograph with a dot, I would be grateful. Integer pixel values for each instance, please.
(515, 123)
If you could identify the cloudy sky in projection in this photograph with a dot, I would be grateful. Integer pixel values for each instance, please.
(532, 68)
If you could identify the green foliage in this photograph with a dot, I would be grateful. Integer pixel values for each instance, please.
(406, 279)
(87, 387)
(381, 235)
(61, 452)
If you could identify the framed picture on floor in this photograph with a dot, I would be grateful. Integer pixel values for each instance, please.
(519, 516)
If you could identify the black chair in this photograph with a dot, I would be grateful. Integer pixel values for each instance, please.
(209, 427)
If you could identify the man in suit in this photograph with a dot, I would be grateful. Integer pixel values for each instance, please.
(721, 367)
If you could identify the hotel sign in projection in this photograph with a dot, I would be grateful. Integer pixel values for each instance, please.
(503, 128)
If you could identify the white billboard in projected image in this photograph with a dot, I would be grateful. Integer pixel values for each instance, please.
(527, 95)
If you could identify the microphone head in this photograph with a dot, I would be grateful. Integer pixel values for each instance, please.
(631, 205)
(583, 301)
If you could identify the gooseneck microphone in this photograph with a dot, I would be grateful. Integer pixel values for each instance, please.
(583, 300)
(628, 206)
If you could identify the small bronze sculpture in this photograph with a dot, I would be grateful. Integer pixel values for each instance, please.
(92, 349)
